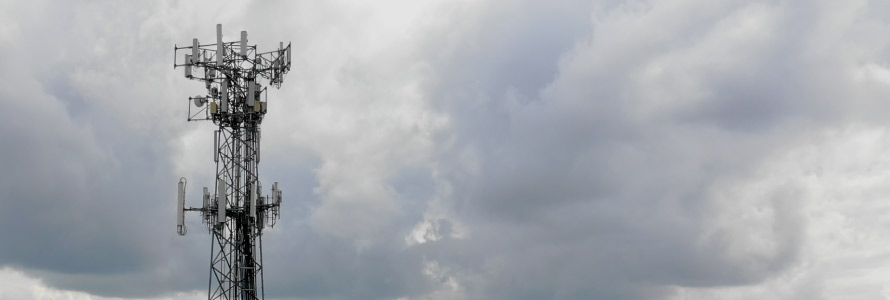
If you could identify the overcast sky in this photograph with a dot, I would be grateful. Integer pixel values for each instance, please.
(461, 149)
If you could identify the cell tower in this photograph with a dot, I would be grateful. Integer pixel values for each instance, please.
(236, 212)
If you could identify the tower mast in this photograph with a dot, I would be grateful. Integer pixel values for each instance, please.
(237, 211)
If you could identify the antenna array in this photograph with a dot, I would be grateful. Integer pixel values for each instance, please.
(237, 211)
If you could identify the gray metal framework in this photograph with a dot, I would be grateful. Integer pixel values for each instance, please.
(237, 211)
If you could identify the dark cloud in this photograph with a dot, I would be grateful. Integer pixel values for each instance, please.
(598, 188)
(88, 178)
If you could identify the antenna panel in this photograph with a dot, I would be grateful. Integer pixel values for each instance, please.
(195, 55)
(243, 43)
(220, 51)
(180, 207)
(251, 92)
(276, 193)
(188, 66)
(215, 145)
(206, 203)
(221, 201)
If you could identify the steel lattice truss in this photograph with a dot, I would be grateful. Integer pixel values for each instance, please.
(236, 212)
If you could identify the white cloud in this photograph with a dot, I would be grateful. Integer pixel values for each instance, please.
(18, 285)
(842, 173)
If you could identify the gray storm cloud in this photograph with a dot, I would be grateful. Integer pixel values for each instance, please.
(636, 166)
(459, 149)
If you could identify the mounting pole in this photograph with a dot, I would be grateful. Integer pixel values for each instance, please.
(236, 214)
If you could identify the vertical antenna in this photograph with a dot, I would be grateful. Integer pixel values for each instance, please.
(236, 213)
(220, 50)
(244, 44)
(221, 201)
(251, 93)
(188, 66)
(180, 207)
(195, 49)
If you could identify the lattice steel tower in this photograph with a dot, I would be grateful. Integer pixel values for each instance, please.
(236, 212)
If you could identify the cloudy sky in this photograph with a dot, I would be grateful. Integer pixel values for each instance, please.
(462, 149)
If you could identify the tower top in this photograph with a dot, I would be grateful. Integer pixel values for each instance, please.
(232, 73)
